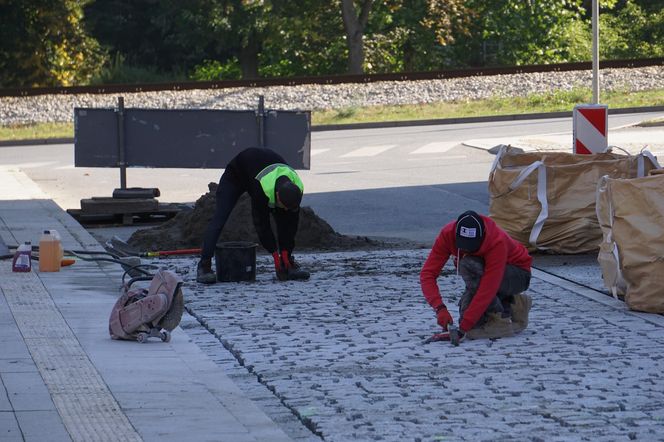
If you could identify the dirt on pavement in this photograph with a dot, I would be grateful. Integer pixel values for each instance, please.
(187, 228)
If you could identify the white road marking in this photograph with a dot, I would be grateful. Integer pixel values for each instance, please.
(315, 152)
(369, 151)
(445, 158)
(439, 147)
(34, 165)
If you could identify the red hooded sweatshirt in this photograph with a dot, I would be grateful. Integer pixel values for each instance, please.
(498, 249)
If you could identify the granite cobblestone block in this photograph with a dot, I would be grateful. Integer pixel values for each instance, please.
(344, 352)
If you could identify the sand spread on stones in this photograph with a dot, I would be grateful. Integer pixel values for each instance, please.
(187, 228)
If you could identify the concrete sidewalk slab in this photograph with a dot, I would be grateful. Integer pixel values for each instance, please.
(65, 379)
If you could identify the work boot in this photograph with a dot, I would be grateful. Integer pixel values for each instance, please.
(495, 327)
(204, 273)
(295, 272)
(496, 306)
(520, 309)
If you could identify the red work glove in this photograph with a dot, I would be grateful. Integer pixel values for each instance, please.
(443, 316)
(284, 260)
(277, 262)
(279, 269)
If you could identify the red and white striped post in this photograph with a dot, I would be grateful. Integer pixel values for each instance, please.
(590, 128)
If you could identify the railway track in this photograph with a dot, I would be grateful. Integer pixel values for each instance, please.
(329, 79)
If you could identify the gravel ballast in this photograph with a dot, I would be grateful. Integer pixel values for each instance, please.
(59, 108)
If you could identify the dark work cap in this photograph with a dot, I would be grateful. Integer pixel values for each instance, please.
(289, 194)
(469, 231)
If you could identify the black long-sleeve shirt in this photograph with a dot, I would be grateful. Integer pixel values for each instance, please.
(244, 168)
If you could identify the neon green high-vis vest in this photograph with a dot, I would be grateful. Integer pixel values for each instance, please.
(268, 179)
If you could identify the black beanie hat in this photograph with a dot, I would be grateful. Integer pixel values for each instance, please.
(469, 231)
(289, 194)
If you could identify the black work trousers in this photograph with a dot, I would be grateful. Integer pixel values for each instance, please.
(515, 280)
(228, 193)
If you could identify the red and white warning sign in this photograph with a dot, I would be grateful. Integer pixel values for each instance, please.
(590, 128)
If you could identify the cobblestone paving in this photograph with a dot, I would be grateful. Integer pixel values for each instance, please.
(344, 353)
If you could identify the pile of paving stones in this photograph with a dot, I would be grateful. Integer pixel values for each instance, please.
(56, 108)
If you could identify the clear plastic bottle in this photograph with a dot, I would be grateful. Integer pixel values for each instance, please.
(49, 252)
(22, 261)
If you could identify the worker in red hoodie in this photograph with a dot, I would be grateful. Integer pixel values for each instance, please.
(495, 269)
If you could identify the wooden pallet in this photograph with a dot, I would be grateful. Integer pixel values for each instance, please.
(123, 211)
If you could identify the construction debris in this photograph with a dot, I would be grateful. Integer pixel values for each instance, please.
(187, 228)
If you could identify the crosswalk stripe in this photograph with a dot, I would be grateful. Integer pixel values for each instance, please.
(368, 151)
(439, 147)
(441, 158)
(34, 165)
(315, 152)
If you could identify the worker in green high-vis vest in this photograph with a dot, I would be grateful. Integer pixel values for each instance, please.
(274, 188)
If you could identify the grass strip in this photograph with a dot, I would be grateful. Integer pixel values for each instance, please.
(555, 101)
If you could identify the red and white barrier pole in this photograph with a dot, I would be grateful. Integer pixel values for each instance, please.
(590, 128)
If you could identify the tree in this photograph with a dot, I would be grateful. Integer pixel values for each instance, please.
(44, 43)
(156, 35)
(412, 36)
(515, 32)
(632, 32)
(628, 29)
(239, 26)
(354, 24)
(303, 37)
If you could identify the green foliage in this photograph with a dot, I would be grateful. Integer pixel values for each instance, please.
(298, 44)
(44, 43)
(36, 131)
(517, 32)
(346, 113)
(548, 102)
(412, 36)
(64, 42)
(155, 35)
(560, 98)
(628, 31)
(631, 32)
(579, 41)
(118, 72)
(384, 52)
(211, 70)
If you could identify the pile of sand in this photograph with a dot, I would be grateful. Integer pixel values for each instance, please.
(186, 229)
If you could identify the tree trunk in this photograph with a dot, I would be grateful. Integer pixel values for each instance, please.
(248, 59)
(354, 26)
(408, 56)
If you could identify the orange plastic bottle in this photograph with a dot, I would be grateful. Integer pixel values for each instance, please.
(49, 252)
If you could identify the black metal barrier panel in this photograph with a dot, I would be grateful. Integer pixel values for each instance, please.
(191, 138)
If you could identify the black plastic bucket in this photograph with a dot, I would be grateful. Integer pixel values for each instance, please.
(235, 261)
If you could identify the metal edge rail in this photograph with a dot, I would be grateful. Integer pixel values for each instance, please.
(329, 79)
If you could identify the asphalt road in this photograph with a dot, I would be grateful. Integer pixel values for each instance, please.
(403, 182)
